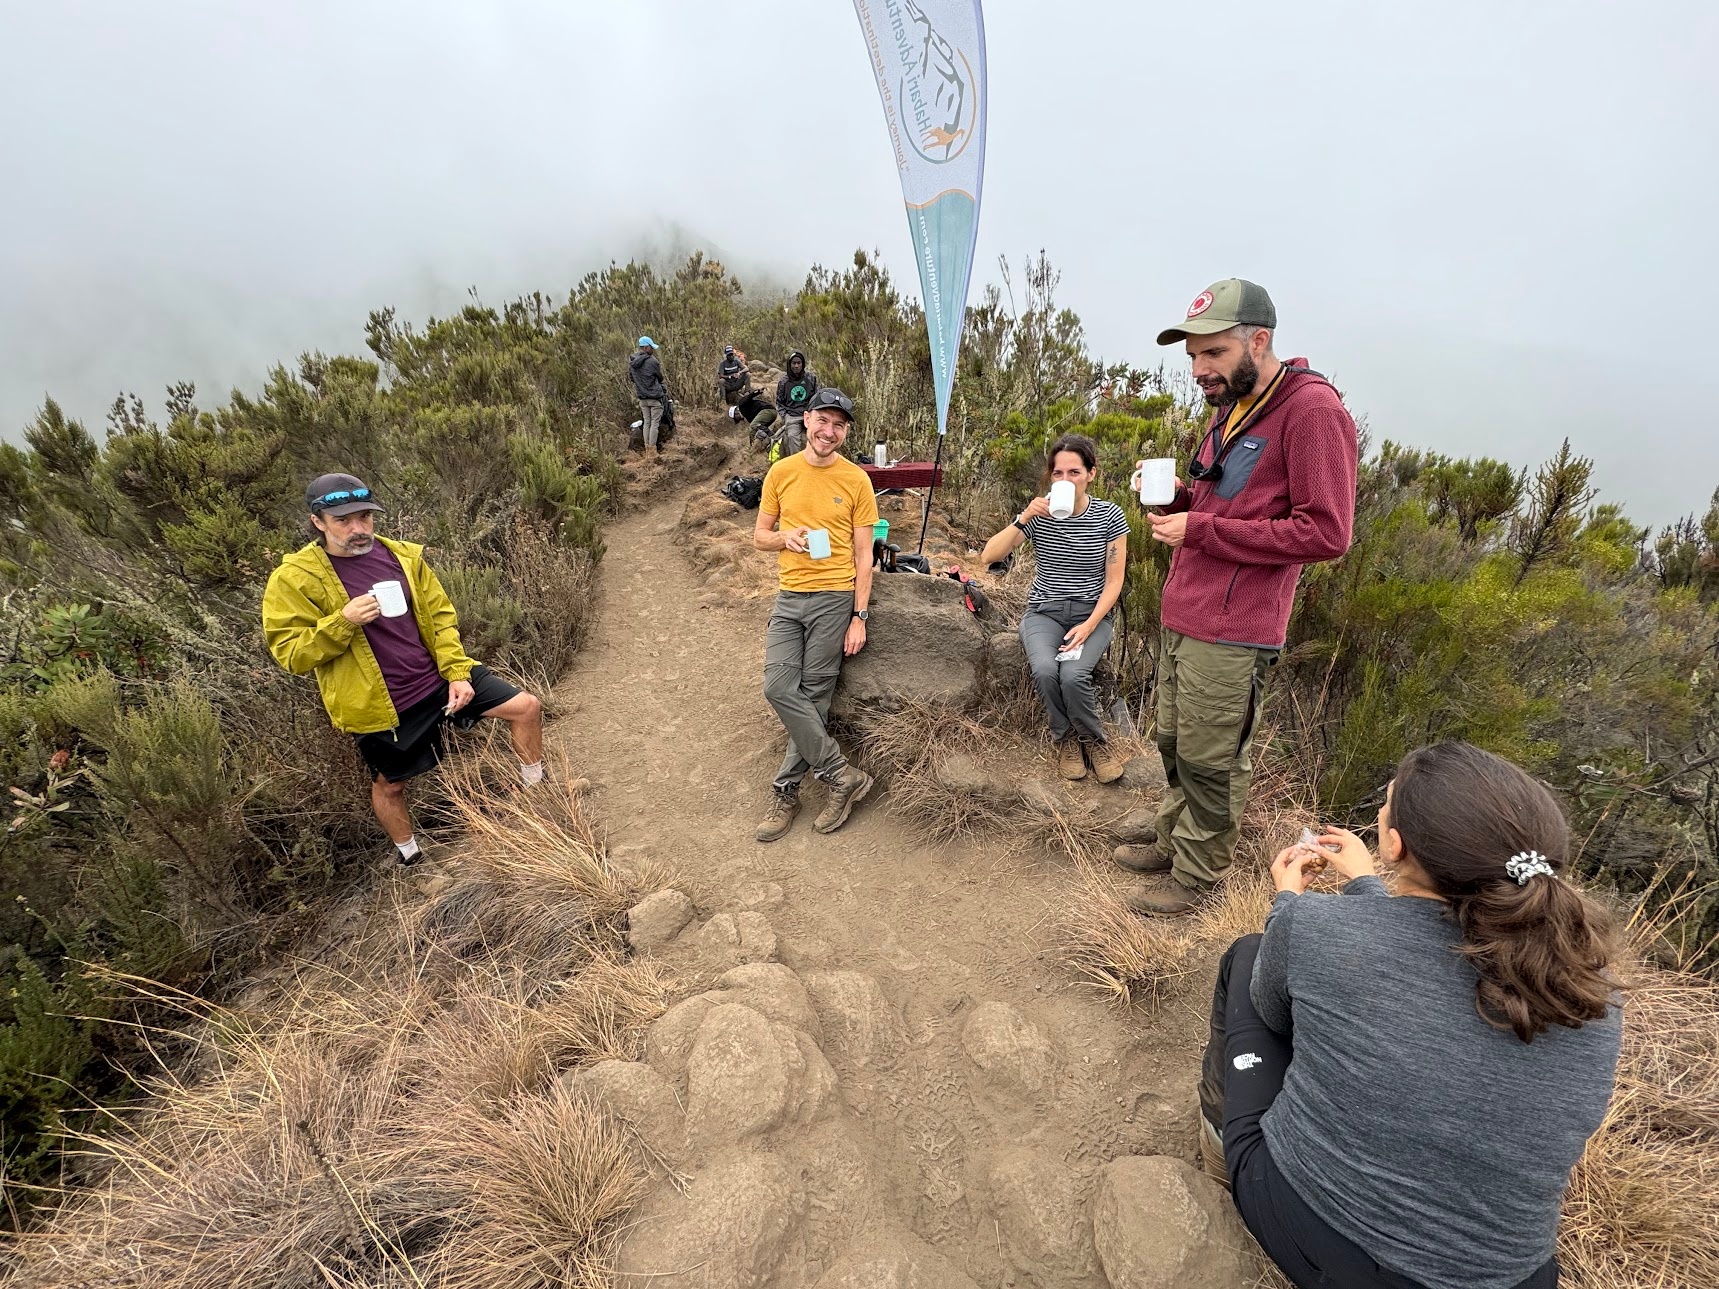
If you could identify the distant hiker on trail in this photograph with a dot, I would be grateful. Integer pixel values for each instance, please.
(1273, 488)
(1397, 1087)
(733, 376)
(647, 376)
(1081, 562)
(793, 396)
(817, 510)
(369, 617)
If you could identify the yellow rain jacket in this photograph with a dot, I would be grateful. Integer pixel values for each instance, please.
(306, 632)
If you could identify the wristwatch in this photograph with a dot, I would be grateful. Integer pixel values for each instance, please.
(862, 614)
(1018, 524)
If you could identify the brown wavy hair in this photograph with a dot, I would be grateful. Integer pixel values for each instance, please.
(1543, 950)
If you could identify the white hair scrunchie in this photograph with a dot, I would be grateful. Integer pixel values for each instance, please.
(1530, 863)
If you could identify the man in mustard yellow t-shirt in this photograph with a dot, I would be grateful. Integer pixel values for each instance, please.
(817, 510)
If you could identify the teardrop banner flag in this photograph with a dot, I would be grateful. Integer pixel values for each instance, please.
(929, 59)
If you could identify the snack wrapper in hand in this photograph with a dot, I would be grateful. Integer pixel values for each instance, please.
(1309, 841)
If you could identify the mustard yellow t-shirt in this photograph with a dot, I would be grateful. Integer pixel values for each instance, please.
(1238, 416)
(838, 497)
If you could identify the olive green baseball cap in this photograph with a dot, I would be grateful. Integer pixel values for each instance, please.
(1234, 302)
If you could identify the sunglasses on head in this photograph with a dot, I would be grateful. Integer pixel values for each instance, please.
(335, 498)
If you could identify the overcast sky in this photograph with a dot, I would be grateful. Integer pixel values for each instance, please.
(1492, 221)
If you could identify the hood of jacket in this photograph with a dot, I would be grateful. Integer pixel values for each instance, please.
(801, 358)
(639, 359)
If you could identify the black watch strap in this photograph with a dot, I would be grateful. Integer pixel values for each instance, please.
(1016, 521)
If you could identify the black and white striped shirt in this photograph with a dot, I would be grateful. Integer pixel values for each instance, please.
(1070, 552)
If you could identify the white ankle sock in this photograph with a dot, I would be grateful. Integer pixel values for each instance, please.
(407, 848)
(530, 774)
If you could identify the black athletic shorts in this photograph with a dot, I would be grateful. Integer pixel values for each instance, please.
(415, 746)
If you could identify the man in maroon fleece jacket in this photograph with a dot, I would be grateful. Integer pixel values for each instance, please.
(1271, 488)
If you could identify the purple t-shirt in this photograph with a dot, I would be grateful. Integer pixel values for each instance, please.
(408, 667)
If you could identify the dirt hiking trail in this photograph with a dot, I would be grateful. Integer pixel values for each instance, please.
(981, 1125)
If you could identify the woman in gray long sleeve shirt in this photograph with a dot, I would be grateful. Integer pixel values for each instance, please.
(1403, 1084)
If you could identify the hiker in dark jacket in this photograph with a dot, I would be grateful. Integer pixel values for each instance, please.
(793, 392)
(647, 376)
(734, 377)
(1272, 488)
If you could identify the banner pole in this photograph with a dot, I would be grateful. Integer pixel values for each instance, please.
(925, 514)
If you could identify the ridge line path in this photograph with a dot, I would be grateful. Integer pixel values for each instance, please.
(665, 713)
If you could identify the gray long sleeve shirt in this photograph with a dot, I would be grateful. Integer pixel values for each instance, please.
(1440, 1145)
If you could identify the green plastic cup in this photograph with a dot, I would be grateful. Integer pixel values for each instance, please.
(880, 531)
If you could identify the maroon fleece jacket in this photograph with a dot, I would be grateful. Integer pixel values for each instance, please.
(1286, 498)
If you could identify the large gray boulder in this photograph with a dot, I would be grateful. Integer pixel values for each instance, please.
(657, 919)
(862, 1029)
(1015, 1054)
(730, 1230)
(922, 646)
(1157, 1224)
(746, 1075)
(894, 1260)
(1042, 1218)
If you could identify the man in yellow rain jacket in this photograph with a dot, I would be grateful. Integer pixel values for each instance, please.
(369, 618)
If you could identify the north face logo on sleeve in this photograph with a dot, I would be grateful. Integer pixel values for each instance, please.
(1247, 1060)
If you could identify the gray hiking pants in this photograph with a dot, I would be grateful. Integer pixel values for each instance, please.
(802, 662)
(1065, 688)
(651, 411)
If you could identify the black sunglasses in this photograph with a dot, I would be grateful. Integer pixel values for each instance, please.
(335, 498)
(1215, 471)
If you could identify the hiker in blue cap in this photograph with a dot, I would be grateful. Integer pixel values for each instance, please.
(647, 375)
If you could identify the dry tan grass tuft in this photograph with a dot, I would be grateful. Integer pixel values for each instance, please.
(395, 1115)
(915, 744)
(1643, 1205)
(1138, 959)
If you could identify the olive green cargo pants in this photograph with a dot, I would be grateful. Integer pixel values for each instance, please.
(1209, 702)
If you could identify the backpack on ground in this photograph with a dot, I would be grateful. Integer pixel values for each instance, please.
(745, 491)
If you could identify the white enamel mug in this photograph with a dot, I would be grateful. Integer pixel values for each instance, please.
(392, 597)
(1158, 481)
(1061, 499)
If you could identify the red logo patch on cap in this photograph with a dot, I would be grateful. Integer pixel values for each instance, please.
(1202, 302)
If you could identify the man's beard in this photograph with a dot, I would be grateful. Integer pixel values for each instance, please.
(1238, 384)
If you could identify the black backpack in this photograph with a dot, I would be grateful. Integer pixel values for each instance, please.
(745, 491)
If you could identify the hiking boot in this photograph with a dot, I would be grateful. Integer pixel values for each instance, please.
(1166, 898)
(1069, 761)
(847, 790)
(1144, 859)
(1212, 1153)
(1106, 765)
(783, 807)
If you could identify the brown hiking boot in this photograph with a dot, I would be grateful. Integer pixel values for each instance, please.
(1212, 1153)
(783, 807)
(1144, 859)
(1069, 762)
(1106, 765)
(847, 790)
(1165, 898)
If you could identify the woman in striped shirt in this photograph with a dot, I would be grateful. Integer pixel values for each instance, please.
(1081, 561)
